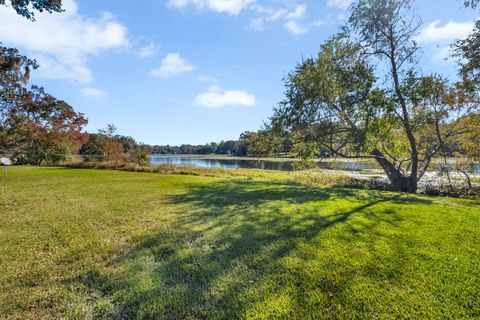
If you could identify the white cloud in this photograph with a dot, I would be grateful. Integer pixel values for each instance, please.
(52, 67)
(269, 15)
(277, 14)
(93, 93)
(434, 32)
(206, 78)
(257, 24)
(342, 4)
(290, 17)
(148, 51)
(298, 13)
(437, 38)
(295, 28)
(342, 17)
(173, 64)
(232, 7)
(321, 23)
(289, 13)
(63, 42)
(216, 97)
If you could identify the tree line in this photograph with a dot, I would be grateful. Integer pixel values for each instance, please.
(107, 145)
(255, 144)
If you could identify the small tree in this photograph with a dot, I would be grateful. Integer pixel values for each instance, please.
(108, 147)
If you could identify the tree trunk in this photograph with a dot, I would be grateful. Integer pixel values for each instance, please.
(398, 181)
(404, 184)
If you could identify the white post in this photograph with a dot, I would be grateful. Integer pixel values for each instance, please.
(5, 162)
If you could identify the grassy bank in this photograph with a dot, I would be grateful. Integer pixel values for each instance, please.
(432, 185)
(113, 244)
(312, 177)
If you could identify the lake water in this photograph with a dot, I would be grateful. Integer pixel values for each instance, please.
(234, 163)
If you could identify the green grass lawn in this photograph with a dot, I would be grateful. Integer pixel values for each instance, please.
(77, 243)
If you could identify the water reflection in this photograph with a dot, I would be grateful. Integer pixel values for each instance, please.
(226, 163)
(234, 163)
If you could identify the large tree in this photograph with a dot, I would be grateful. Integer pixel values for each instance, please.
(363, 96)
(34, 126)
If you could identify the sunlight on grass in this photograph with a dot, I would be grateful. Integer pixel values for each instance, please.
(112, 244)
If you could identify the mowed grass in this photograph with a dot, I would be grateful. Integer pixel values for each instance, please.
(92, 244)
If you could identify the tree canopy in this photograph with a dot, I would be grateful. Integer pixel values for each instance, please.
(26, 8)
(34, 126)
(41, 128)
(468, 52)
(471, 3)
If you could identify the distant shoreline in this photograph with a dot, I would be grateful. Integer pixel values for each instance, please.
(279, 158)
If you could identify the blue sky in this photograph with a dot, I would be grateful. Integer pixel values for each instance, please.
(193, 71)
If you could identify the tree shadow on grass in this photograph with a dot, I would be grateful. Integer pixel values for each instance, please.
(225, 254)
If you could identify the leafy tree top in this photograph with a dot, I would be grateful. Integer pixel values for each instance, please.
(26, 8)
